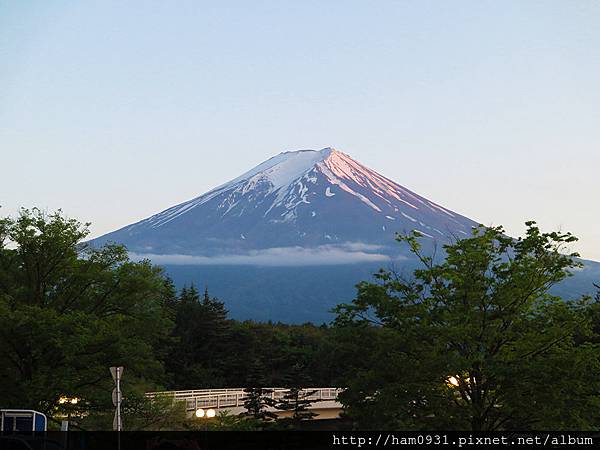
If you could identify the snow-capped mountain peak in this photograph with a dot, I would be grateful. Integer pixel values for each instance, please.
(301, 198)
(283, 169)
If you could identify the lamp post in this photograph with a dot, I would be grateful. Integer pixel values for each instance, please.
(459, 383)
(452, 381)
(204, 415)
(67, 403)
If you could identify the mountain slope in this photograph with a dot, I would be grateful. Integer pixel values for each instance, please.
(303, 199)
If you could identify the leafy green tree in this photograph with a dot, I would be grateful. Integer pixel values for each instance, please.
(275, 349)
(69, 311)
(476, 342)
(140, 413)
(225, 421)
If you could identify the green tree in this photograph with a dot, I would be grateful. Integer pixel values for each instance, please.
(296, 399)
(201, 337)
(258, 400)
(69, 311)
(225, 421)
(140, 413)
(476, 341)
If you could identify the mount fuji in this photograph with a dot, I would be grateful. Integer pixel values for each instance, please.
(304, 204)
(290, 238)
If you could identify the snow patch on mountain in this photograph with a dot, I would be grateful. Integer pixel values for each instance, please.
(333, 179)
(409, 217)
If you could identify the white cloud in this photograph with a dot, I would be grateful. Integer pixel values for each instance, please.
(348, 253)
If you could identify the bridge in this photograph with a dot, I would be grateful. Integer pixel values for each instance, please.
(324, 401)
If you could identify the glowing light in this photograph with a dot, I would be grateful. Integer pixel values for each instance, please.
(452, 381)
(210, 413)
(72, 400)
(200, 413)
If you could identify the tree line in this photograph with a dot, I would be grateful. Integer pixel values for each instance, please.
(471, 341)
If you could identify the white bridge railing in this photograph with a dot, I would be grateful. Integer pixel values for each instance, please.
(232, 398)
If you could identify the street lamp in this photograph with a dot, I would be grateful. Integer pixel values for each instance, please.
(67, 403)
(452, 381)
(72, 400)
(208, 414)
(455, 380)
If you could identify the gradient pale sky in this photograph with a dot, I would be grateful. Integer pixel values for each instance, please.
(113, 111)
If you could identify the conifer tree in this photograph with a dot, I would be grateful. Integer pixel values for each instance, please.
(202, 333)
(296, 399)
(258, 398)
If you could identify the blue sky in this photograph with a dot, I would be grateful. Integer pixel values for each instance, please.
(113, 111)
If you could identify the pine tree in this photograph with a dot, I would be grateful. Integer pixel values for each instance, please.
(258, 398)
(170, 296)
(203, 333)
(296, 399)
